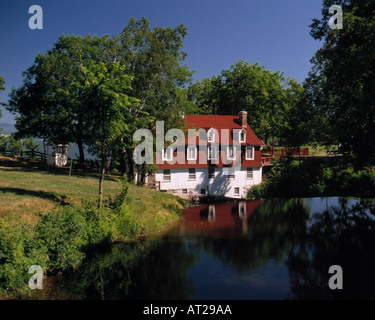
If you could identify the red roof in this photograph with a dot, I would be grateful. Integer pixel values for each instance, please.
(221, 123)
(224, 126)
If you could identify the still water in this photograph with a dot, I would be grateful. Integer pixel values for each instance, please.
(261, 249)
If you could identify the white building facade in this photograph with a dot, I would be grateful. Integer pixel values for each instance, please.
(197, 181)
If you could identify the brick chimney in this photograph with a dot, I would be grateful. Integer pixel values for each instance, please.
(242, 116)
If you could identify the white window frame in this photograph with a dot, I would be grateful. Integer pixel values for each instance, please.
(231, 175)
(192, 176)
(209, 152)
(236, 193)
(170, 154)
(244, 136)
(209, 133)
(248, 170)
(167, 176)
(195, 152)
(252, 153)
(234, 153)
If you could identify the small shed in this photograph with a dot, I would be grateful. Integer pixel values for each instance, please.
(57, 153)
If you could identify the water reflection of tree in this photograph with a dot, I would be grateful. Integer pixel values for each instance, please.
(134, 271)
(344, 236)
(273, 230)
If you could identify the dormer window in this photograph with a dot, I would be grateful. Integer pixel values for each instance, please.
(212, 153)
(211, 135)
(231, 153)
(242, 136)
(167, 154)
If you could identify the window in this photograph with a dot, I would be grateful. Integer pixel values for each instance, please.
(249, 153)
(231, 153)
(237, 191)
(242, 136)
(211, 135)
(192, 153)
(167, 175)
(249, 173)
(212, 153)
(184, 191)
(191, 173)
(203, 191)
(167, 154)
(231, 175)
(211, 173)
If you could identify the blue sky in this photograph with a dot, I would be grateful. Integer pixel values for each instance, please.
(274, 33)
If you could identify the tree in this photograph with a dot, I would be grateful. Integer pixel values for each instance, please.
(342, 80)
(47, 105)
(103, 87)
(251, 88)
(153, 57)
(298, 128)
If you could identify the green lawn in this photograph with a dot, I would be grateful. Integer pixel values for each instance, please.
(28, 189)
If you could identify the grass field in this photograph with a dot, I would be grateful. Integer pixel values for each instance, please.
(28, 189)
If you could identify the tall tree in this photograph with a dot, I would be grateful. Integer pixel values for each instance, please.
(251, 88)
(154, 58)
(47, 105)
(342, 80)
(103, 87)
(298, 127)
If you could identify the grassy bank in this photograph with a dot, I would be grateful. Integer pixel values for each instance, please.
(316, 177)
(50, 219)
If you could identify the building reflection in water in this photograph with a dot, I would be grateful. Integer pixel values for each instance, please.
(231, 216)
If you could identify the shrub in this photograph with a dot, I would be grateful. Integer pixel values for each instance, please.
(19, 250)
(315, 177)
(63, 232)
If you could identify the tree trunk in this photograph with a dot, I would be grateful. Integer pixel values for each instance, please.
(81, 151)
(101, 181)
(129, 165)
(102, 174)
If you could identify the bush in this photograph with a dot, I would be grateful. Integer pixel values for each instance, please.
(316, 177)
(19, 250)
(63, 233)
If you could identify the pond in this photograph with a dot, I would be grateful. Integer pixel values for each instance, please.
(248, 250)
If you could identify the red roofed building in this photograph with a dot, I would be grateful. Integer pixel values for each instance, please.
(223, 158)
